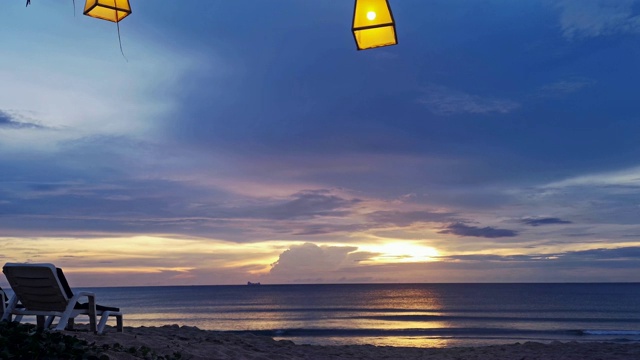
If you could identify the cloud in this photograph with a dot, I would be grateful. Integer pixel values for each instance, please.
(592, 18)
(444, 101)
(312, 260)
(543, 221)
(491, 258)
(406, 218)
(631, 253)
(565, 87)
(486, 232)
(323, 229)
(303, 205)
(625, 253)
(623, 178)
(48, 82)
(608, 197)
(123, 205)
(10, 121)
(306, 204)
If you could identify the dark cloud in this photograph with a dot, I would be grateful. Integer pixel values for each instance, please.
(405, 218)
(489, 258)
(299, 206)
(584, 234)
(486, 232)
(9, 121)
(323, 229)
(306, 204)
(625, 253)
(544, 221)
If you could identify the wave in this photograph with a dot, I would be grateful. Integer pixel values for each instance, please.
(293, 332)
(611, 332)
(311, 332)
(416, 310)
(427, 318)
(454, 333)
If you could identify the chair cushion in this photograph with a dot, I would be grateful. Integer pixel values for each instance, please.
(64, 283)
(85, 306)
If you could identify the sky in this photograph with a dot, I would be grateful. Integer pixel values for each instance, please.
(248, 140)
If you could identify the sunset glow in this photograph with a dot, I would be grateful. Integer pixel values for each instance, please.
(401, 252)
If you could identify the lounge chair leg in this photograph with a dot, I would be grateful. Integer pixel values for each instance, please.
(40, 321)
(92, 315)
(49, 321)
(119, 322)
(65, 317)
(105, 317)
(103, 322)
(7, 311)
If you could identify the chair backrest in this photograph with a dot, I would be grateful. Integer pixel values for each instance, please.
(37, 286)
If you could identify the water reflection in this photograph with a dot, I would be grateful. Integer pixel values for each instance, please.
(284, 311)
(397, 341)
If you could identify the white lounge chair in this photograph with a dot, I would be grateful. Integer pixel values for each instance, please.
(43, 291)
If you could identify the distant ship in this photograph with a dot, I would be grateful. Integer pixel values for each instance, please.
(252, 284)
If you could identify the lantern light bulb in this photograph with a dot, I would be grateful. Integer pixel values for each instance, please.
(371, 15)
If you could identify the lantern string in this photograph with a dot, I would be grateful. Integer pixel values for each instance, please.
(119, 39)
(74, 8)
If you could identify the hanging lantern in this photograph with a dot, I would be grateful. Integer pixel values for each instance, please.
(111, 10)
(373, 24)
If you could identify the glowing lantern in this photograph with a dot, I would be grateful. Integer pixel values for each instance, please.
(112, 10)
(373, 24)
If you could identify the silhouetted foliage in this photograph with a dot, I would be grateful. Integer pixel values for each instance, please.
(25, 342)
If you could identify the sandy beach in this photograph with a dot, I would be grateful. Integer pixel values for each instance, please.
(196, 344)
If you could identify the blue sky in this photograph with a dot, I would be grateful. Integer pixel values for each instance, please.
(249, 140)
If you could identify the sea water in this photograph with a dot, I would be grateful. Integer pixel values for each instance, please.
(393, 314)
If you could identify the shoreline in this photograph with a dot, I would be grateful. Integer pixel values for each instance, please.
(196, 344)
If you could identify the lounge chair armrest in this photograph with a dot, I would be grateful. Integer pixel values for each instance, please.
(80, 294)
(91, 297)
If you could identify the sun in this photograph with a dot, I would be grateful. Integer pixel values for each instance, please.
(402, 252)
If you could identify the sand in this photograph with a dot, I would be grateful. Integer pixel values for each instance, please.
(193, 343)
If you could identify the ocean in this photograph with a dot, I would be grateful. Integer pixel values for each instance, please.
(422, 315)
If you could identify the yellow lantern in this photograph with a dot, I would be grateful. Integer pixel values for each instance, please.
(111, 10)
(373, 24)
